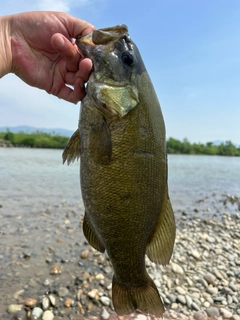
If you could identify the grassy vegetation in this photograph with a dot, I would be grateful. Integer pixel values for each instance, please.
(40, 139)
(185, 147)
(36, 139)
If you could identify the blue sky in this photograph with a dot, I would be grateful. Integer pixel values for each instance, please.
(191, 49)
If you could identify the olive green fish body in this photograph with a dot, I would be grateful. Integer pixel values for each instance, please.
(123, 174)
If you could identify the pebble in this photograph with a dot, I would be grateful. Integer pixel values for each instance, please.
(30, 302)
(195, 306)
(62, 292)
(210, 278)
(45, 303)
(36, 314)
(105, 301)
(177, 268)
(55, 269)
(212, 290)
(105, 314)
(181, 299)
(225, 313)
(84, 254)
(172, 297)
(180, 290)
(199, 316)
(48, 315)
(212, 312)
(13, 308)
(53, 298)
(69, 303)
(93, 294)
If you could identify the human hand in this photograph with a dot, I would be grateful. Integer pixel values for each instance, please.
(43, 55)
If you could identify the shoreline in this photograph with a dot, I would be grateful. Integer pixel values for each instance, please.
(63, 273)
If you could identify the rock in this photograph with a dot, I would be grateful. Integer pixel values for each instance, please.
(13, 308)
(218, 299)
(53, 299)
(176, 268)
(104, 314)
(225, 313)
(100, 276)
(84, 254)
(48, 315)
(30, 302)
(105, 301)
(62, 292)
(195, 254)
(55, 269)
(212, 312)
(218, 274)
(180, 290)
(181, 298)
(210, 239)
(172, 297)
(36, 313)
(233, 287)
(210, 278)
(199, 316)
(45, 303)
(195, 306)
(93, 294)
(188, 301)
(20, 315)
(212, 290)
(69, 303)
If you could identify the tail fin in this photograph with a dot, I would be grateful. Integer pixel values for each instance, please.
(146, 299)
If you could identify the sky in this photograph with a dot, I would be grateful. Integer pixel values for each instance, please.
(191, 49)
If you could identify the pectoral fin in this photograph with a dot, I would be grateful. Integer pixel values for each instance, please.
(161, 246)
(91, 235)
(72, 150)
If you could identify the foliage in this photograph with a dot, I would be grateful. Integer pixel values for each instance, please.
(36, 139)
(185, 147)
(40, 139)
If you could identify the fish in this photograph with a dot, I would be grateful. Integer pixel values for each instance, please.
(121, 144)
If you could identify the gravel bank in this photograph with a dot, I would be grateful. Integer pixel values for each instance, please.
(51, 276)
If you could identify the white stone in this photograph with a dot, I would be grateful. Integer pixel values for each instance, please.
(48, 315)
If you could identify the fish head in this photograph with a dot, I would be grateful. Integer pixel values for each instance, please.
(117, 63)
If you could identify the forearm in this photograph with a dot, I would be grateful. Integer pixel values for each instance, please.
(5, 46)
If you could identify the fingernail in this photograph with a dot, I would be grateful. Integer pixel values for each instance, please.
(59, 42)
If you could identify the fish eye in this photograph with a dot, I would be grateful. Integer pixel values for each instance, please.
(127, 58)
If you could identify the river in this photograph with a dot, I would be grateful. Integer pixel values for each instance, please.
(36, 178)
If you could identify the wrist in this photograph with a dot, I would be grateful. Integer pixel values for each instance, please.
(5, 46)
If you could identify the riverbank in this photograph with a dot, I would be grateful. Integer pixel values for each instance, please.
(46, 263)
(46, 140)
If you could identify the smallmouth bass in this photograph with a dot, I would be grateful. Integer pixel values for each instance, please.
(123, 169)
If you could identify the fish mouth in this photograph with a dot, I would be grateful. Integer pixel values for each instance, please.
(105, 36)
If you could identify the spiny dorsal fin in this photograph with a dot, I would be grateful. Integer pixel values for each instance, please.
(161, 246)
(72, 150)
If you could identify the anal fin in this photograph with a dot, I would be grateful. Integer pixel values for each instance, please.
(161, 246)
(91, 235)
(72, 150)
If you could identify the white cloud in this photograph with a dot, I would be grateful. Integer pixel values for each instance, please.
(14, 6)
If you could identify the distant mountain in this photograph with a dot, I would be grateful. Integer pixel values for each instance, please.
(28, 129)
